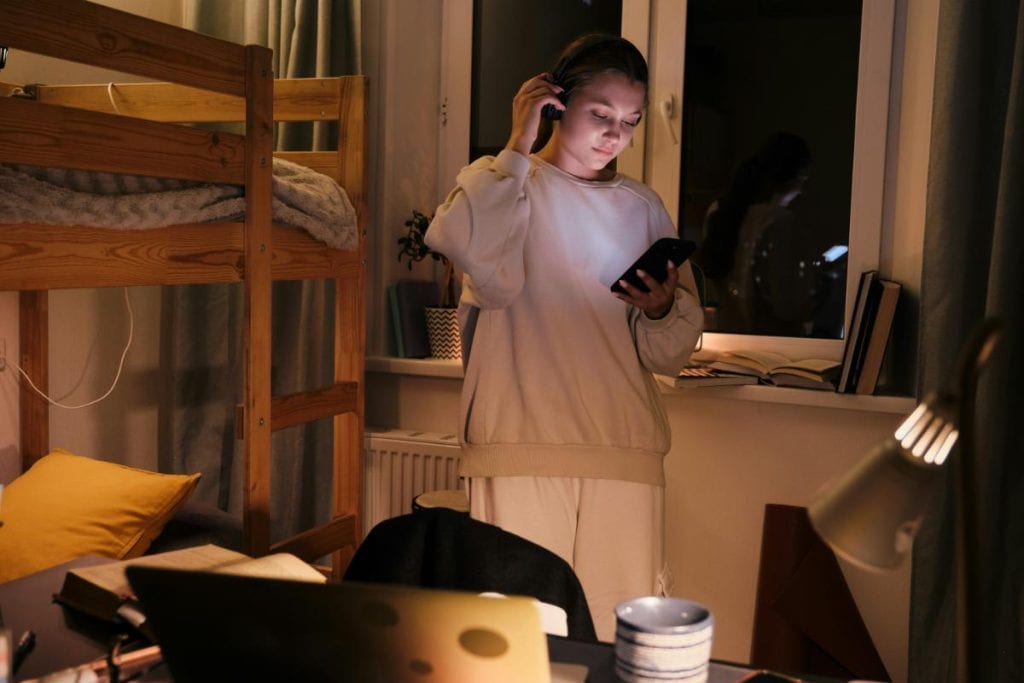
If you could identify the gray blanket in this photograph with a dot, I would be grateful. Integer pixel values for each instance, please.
(301, 197)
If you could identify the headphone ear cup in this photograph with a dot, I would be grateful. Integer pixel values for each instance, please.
(550, 112)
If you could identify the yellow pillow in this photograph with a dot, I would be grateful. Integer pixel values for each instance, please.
(67, 505)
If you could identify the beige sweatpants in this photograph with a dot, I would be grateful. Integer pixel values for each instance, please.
(610, 532)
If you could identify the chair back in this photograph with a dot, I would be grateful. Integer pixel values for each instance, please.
(442, 548)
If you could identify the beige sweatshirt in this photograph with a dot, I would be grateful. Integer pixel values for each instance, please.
(558, 375)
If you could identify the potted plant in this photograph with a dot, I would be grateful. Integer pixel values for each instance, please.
(441, 319)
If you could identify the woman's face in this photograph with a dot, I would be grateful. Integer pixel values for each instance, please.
(597, 124)
(793, 191)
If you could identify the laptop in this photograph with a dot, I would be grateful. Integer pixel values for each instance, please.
(218, 627)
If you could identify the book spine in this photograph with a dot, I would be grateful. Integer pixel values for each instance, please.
(855, 331)
(867, 327)
(396, 321)
(888, 296)
(412, 297)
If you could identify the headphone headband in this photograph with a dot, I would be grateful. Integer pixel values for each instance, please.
(587, 45)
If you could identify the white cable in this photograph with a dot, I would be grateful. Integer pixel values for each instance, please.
(120, 366)
(110, 96)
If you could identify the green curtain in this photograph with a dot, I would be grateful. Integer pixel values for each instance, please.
(974, 245)
(201, 354)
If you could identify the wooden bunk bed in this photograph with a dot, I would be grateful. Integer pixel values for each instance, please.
(203, 79)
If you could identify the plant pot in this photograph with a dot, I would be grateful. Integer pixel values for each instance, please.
(443, 332)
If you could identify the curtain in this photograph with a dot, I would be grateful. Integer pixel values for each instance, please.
(202, 355)
(974, 245)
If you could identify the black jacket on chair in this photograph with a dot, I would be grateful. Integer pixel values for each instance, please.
(441, 548)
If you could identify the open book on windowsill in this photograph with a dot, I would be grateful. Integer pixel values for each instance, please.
(103, 591)
(769, 367)
(699, 374)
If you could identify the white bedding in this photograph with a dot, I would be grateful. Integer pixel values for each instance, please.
(301, 197)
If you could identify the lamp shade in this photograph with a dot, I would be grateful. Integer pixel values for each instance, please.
(869, 516)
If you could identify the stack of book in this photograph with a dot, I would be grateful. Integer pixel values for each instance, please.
(698, 374)
(868, 334)
(857, 373)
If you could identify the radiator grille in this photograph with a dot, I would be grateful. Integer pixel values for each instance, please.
(401, 464)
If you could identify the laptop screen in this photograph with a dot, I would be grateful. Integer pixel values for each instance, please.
(221, 627)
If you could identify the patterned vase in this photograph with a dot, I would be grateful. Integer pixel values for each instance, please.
(443, 333)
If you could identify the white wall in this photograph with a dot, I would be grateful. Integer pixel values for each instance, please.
(730, 458)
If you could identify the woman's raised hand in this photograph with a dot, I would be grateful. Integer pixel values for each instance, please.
(526, 107)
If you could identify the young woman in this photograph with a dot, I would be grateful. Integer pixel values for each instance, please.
(562, 427)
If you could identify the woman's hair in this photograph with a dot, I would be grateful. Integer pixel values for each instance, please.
(588, 56)
(775, 168)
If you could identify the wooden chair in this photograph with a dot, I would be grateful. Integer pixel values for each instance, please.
(805, 618)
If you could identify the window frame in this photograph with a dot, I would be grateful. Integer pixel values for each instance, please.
(654, 154)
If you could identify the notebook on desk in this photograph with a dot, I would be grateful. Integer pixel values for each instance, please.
(220, 627)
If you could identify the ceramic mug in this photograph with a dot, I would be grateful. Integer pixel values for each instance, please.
(662, 639)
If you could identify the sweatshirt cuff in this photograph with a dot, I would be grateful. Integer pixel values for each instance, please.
(512, 163)
(684, 306)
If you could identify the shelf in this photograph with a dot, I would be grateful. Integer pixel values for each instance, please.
(452, 369)
(421, 367)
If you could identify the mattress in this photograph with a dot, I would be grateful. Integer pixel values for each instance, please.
(302, 198)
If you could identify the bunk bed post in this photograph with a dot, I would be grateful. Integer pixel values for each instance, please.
(350, 319)
(33, 334)
(259, 85)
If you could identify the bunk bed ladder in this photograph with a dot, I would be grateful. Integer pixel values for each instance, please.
(261, 415)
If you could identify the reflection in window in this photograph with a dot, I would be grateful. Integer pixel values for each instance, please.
(768, 112)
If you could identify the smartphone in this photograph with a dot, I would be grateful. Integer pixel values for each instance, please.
(835, 252)
(654, 262)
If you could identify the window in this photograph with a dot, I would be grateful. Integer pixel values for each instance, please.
(667, 144)
(662, 145)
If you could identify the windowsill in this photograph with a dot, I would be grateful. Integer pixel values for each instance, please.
(452, 369)
(420, 367)
(901, 405)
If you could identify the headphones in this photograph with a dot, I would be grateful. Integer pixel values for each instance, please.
(558, 74)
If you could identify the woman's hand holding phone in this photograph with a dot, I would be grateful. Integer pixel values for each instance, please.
(646, 274)
(657, 302)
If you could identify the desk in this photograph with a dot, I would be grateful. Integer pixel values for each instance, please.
(63, 638)
(66, 639)
(599, 658)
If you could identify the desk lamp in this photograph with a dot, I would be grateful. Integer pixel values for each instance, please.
(870, 515)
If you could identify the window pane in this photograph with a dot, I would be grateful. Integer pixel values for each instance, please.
(766, 218)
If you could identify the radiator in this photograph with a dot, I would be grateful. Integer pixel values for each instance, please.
(400, 464)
